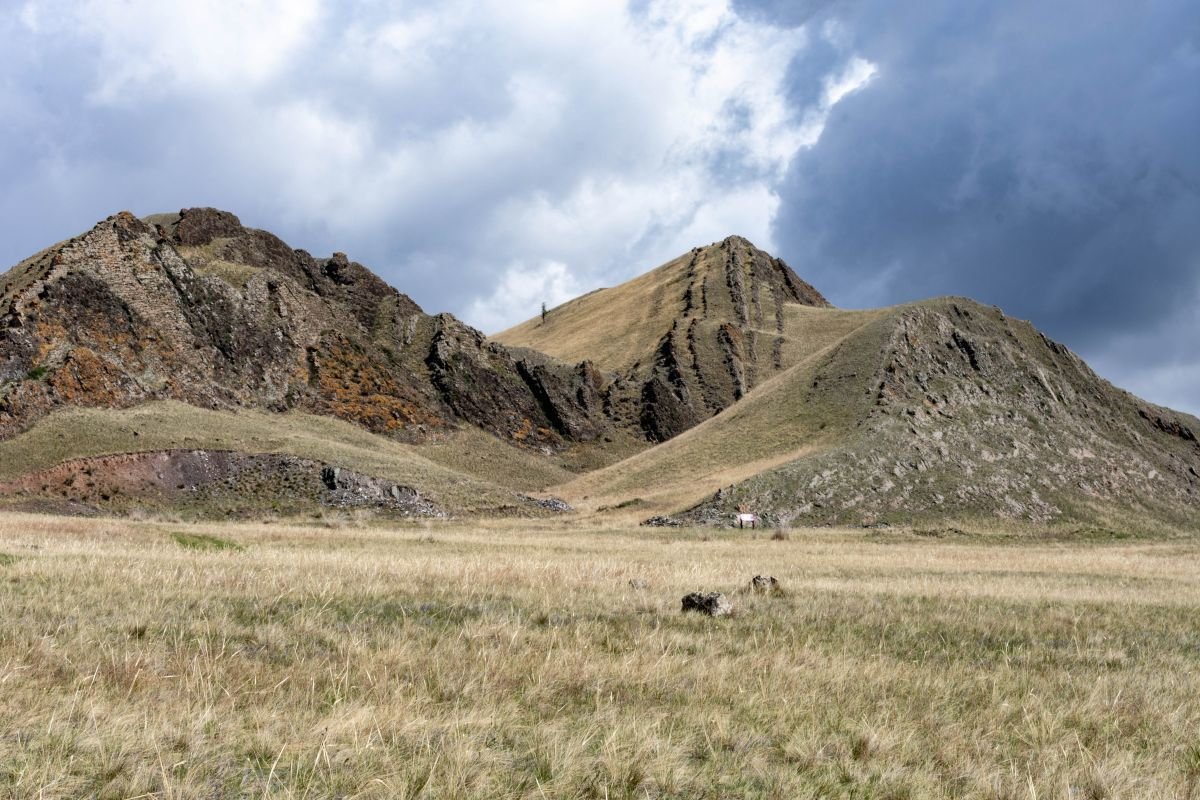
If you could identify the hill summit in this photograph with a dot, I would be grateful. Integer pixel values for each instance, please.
(687, 339)
(195, 307)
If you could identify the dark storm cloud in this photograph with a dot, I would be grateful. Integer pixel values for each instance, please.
(1044, 157)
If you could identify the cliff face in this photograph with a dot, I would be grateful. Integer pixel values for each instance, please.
(195, 307)
(227, 483)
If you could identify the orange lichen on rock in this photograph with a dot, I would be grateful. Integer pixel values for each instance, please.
(50, 335)
(351, 387)
(88, 380)
(133, 311)
(522, 433)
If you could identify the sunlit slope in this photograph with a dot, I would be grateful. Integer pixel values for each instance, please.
(728, 282)
(807, 409)
(690, 338)
(612, 328)
(468, 471)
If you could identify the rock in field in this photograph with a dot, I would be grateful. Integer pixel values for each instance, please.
(714, 604)
(764, 584)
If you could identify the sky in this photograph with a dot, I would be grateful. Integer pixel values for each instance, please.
(486, 157)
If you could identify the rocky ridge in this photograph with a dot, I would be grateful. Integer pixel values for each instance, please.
(713, 325)
(195, 307)
(965, 412)
(943, 409)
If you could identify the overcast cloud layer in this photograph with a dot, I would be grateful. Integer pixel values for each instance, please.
(485, 157)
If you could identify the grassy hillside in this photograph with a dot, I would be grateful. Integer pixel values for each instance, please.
(943, 409)
(516, 661)
(976, 414)
(731, 282)
(613, 328)
(467, 471)
(691, 338)
(781, 421)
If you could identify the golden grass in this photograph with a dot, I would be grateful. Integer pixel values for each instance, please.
(810, 330)
(236, 275)
(612, 328)
(514, 660)
(469, 469)
(618, 327)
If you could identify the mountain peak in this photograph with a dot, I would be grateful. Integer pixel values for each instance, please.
(689, 337)
(198, 308)
(799, 290)
(787, 405)
(195, 227)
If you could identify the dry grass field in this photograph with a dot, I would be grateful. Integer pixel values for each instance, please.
(516, 660)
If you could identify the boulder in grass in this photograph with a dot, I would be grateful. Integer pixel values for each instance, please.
(712, 604)
(764, 584)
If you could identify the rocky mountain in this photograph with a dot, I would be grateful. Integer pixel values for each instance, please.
(197, 308)
(686, 340)
(186, 362)
(947, 410)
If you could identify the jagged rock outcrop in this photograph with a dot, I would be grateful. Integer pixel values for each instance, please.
(484, 384)
(765, 584)
(710, 604)
(728, 339)
(195, 307)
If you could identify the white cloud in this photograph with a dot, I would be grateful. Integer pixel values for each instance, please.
(148, 46)
(857, 73)
(435, 142)
(661, 131)
(522, 291)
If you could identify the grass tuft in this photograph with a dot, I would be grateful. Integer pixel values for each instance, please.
(203, 541)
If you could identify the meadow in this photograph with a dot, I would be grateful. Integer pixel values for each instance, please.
(541, 659)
